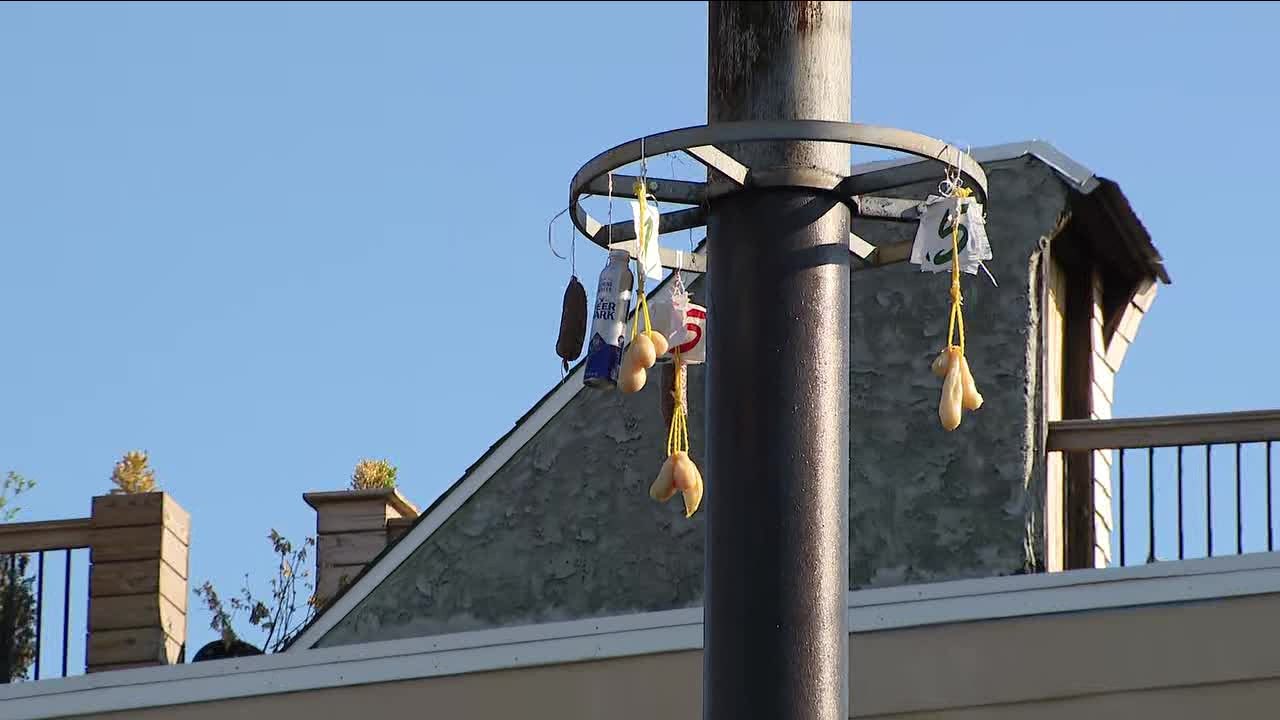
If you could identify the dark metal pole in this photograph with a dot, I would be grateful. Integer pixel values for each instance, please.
(778, 375)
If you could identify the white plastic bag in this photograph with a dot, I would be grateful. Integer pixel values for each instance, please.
(651, 262)
(932, 247)
(684, 324)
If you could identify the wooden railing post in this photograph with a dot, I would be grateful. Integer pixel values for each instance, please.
(137, 581)
(352, 528)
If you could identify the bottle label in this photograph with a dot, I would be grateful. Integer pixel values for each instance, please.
(608, 327)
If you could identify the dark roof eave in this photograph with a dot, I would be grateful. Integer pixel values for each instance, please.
(1112, 207)
(1097, 196)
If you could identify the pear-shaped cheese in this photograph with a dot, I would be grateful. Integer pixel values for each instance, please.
(663, 488)
(941, 363)
(972, 398)
(642, 352)
(952, 395)
(631, 379)
(693, 496)
(660, 344)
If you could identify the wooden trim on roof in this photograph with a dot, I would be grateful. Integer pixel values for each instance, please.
(391, 495)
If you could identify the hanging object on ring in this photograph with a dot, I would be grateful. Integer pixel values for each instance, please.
(609, 322)
(684, 324)
(573, 322)
(933, 249)
(647, 238)
(646, 345)
(573, 307)
(678, 473)
(959, 391)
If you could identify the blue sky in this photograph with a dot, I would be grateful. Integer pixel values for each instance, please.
(262, 241)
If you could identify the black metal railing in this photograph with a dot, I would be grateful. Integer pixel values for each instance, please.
(39, 566)
(1184, 486)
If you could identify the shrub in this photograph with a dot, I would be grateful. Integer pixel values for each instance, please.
(373, 474)
(133, 475)
(278, 617)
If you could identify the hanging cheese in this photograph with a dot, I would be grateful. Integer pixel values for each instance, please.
(952, 393)
(660, 344)
(972, 399)
(663, 487)
(939, 366)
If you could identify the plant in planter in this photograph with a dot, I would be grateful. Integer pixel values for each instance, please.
(133, 475)
(279, 616)
(17, 598)
(373, 475)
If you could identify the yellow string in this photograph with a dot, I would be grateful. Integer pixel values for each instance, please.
(684, 413)
(642, 308)
(678, 433)
(674, 430)
(684, 428)
(957, 316)
(672, 433)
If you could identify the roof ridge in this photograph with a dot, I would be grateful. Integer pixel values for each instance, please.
(1082, 177)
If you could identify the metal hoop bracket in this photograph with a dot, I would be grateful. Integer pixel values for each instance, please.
(699, 142)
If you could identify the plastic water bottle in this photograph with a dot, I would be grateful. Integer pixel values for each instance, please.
(609, 322)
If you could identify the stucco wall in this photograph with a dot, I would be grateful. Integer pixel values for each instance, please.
(926, 504)
(566, 530)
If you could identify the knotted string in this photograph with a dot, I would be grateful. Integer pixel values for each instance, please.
(678, 433)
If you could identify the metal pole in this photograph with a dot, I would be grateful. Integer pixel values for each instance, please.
(777, 567)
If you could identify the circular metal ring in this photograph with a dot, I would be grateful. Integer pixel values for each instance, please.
(706, 137)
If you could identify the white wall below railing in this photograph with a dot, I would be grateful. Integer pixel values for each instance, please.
(632, 635)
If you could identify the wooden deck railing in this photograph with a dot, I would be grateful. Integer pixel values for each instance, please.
(29, 537)
(25, 585)
(132, 593)
(1166, 431)
(1224, 507)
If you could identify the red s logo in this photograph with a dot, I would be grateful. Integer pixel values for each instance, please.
(693, 328)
